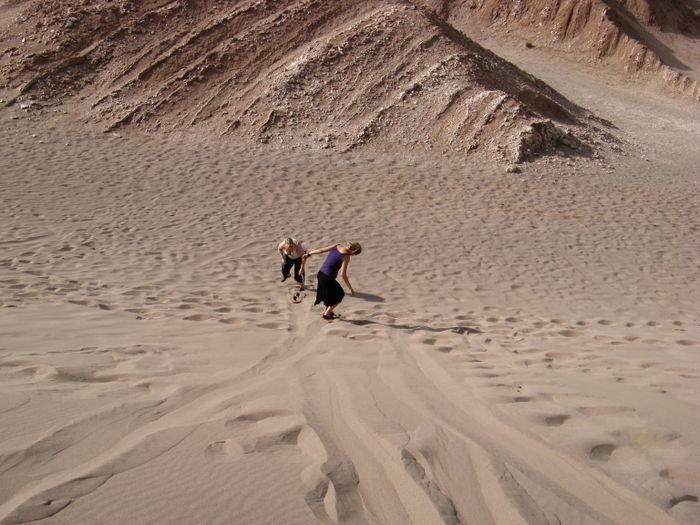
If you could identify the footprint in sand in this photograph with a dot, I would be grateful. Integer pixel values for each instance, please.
(363, 337)
(79, 302)
(272, 429)
(232, 320)
(520, 399)
(569, 333)
(255, 416)
(253, 309)
(556, 420)
(185, 306)
(286, 437)
(602, 452)
(681, 499)
(157, 388)
(271, 325)
(604, 410)
(228, 450)
(196, 317)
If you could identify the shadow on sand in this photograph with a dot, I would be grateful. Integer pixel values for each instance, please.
(415, 327)
(369, 297)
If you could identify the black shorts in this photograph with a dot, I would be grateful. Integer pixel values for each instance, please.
(328, 290)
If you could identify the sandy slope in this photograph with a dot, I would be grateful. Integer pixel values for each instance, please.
(523, 349)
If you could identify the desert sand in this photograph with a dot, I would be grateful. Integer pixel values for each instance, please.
(523, 347)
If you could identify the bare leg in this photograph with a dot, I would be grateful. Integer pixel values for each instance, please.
(329, 309)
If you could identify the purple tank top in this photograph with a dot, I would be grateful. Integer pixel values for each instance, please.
(333, 262)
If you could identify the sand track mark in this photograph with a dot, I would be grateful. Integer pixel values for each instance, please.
(482, 418)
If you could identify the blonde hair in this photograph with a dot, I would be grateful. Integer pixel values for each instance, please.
(288, 242)
(354, 248)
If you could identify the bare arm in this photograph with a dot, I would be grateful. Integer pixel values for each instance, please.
(280, 250)
(323, 250)
(344, 273)
(319, 250)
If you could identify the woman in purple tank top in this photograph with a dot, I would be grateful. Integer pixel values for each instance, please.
(328, 290)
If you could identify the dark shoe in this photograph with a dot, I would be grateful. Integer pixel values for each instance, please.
(330, 316)
(285, 277)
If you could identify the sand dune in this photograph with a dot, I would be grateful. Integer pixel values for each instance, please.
(523, 346)
(522, 350)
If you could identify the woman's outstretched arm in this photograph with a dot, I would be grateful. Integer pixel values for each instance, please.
(344, 273)
(322, 250)
(311, 252)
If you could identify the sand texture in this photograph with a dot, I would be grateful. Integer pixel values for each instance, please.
(524, 346)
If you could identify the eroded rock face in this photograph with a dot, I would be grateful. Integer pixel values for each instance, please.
(319, 73)
(649, 37)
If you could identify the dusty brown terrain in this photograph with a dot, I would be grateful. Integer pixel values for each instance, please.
(649, 39)
(322, 74)
(338, 74)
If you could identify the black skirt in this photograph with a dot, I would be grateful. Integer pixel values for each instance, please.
(328, 290)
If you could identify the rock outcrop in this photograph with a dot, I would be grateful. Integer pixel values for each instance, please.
(325, 73)
(652, 38)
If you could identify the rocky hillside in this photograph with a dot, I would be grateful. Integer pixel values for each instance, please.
(320, 73)
(650, 38)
